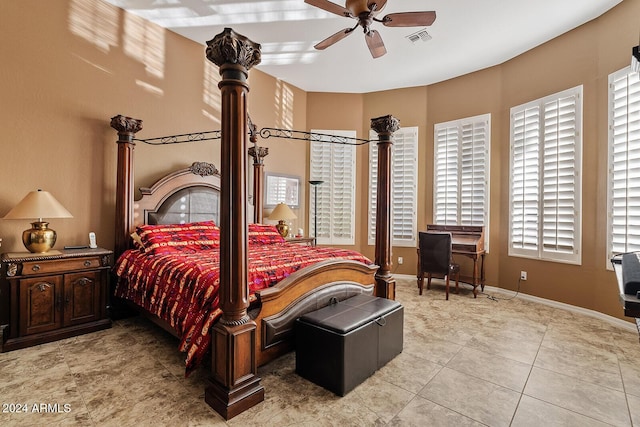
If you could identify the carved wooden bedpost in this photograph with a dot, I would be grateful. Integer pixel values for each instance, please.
(258, 154)
(234, 384)
(127, 128)
(384, 126)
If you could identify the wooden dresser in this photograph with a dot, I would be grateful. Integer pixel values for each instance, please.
(48, 297)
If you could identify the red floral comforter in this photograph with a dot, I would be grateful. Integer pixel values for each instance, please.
(182, 288)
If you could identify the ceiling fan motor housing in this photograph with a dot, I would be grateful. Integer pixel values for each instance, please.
(357, 7)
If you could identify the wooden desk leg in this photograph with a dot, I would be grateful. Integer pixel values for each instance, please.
(475, 276)
(482, 273)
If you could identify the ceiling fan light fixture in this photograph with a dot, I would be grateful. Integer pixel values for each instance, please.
(356, 7)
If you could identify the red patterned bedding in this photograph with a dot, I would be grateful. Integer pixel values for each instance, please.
(181, 287)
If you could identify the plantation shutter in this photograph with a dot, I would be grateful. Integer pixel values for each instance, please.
(525, 168)
(446, 191)
(335, 165)
(404, 170)
(461, 172)
(473, 173)
(624, 162)
(546, 161)
(560, 185)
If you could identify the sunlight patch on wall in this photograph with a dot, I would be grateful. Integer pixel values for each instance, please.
(144, 41)
(284, 105)
(211, 117)
(94, 21)
(93, 64)
(210, 91)
(150, 88)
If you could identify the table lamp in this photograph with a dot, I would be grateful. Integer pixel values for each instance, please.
(38, 204)
(282, 212)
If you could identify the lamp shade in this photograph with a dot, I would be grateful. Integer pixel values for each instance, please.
(38, 204)
(282, 211)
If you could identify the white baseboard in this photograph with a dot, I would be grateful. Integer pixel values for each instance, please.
(630, 326)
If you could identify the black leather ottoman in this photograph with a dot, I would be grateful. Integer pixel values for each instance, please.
(341, 345)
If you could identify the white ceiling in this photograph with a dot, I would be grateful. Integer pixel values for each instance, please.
(467, 35)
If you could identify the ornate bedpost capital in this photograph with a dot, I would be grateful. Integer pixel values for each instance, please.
(229, 47)
(385, 125)
(126, 125)
(258, 154)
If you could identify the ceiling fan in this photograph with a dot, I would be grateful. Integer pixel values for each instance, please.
(365, 12)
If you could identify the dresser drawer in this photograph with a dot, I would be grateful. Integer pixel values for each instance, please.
(30, 268)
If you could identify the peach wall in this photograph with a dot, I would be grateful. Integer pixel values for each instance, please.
(586, 56)
(70, 65)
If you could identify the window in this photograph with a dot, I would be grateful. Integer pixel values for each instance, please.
(335, 164)
(281, 189)
(404, 175)
(545, 180)
(461, 172)
(624, 163)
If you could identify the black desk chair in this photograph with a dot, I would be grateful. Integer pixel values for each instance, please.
(435, 257)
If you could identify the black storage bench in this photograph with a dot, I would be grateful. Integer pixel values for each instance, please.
(343, 344)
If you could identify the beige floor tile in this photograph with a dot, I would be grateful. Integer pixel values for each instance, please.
(601, 403)
(631, 377)
(421, 412)
(409, 372)
(477, 399)
(535, 413)
(498, 370)
(465, 362)
(587, 364)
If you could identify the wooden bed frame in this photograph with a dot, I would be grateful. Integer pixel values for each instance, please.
(246, 337)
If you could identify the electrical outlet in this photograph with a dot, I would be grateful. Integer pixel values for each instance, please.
(523, 275)
(400, 260)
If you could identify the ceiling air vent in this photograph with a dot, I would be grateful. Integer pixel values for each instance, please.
(421, 35)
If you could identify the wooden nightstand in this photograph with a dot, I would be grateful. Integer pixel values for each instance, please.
(310, 241)
(48, 297)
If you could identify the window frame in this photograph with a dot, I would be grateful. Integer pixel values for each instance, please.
(612, 162)
(460, 173)
(327, 192)
(535, 133)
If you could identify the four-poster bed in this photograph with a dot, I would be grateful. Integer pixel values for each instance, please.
(252, 328)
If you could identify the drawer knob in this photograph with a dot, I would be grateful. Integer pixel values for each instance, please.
(43, 286)
(87, 263)
(36, 267)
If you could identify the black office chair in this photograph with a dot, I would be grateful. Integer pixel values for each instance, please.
(434, 257)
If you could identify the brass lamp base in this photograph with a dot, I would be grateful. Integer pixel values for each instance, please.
(39, 238)
(282, 228)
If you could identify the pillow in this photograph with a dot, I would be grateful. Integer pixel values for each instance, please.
(137, 243)
(261, 234)
(190, 237)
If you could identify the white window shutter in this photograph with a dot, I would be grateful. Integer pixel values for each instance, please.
(545, 178)
(335, 165)
(624, 163)
(461, 172)
(560, 182)
(404, 170)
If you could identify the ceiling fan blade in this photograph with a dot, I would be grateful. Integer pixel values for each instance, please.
(375, 43)
(329, 7)
(335, 38)
(380, 4)
(409, 19)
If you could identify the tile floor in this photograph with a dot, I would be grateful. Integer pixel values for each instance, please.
(466, 362)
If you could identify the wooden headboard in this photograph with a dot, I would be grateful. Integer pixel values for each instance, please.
(187, 195)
